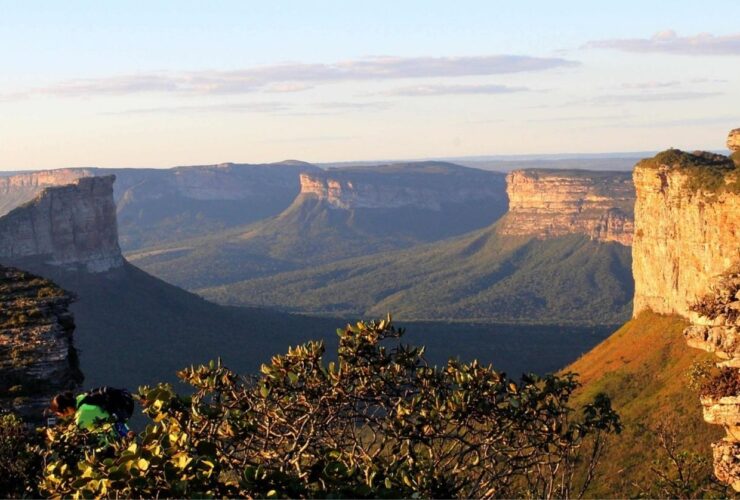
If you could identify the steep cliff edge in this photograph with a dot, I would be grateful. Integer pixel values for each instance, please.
(686, 243)
(18, 189)
(73, 225)
(687, 228)
(552, 203)
(424, 185)
(37, 356)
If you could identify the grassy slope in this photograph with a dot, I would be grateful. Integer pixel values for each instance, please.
(480, 276)
(642, 367)
(310, 232)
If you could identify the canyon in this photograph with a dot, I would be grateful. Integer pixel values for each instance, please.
(552, 203)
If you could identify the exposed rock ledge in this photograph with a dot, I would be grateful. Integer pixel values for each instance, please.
(687, 228)
(424, 185)
(551, 203)
(73, 225)
(37, 356)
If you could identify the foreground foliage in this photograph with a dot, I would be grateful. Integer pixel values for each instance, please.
(378, 422)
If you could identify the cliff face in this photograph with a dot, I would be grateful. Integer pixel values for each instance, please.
(685, 257)
(70, 225)
(551, 203)
(426, 185)
(687, 228)
(15, 190)
(37, 357)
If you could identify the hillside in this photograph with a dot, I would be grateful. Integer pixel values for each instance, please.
(340, 214)
(482, 276)
(643, 367)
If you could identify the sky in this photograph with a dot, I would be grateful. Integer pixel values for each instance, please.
(158, 84)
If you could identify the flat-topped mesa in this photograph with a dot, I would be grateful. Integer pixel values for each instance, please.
(70, 226)
(37, 356)
(20, 188)
(424, 185)
(687, 228)
(551, 203)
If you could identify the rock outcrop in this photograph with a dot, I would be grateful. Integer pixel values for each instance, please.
(716, 328)
(687, 228)
(686, 258)
(551, 203)
(71, 226)
(20, 188)
(733, 140)
(37, 356)
(424, 185)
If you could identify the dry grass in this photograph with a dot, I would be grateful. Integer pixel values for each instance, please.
(643, 367)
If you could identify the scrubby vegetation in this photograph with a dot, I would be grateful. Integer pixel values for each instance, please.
(379, 422)
(726, 383)
(707, 172)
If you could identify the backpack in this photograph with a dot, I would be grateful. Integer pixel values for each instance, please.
(117, 402)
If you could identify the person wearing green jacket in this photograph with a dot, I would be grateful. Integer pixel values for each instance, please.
(87, 414)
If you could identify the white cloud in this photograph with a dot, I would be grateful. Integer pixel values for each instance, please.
(432, 90)
(669, 42)
(253, 107)
(298, 76)
(652, 97)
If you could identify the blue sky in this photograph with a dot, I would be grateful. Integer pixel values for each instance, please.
(173, 83)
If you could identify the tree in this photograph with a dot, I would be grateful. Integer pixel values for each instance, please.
(378, 422)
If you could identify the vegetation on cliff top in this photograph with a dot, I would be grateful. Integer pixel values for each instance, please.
(707, 172)
(379, 423)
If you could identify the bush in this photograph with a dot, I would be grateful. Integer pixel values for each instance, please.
(379, 422)
(20, 467)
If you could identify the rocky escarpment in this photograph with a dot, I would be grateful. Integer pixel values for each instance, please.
(15, 190)
(687, 228)
(551, 203)
(73, 225)
(733, 140)
(424, 185)
(685, 259)
(37, 356)
(716, 328)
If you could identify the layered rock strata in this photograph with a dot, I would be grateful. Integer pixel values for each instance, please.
(37, 355)
(686, 261)
(20, 188)
(733, 140)
(73, 225)
(551, 203)
(716, 328)
(687, 228)
(424, 185)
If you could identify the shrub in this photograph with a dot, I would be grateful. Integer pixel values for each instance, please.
(727, 383)
(20, 467)
(378, 422)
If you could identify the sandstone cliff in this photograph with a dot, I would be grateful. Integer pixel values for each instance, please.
(17, 189)
(551, 203)
(686, 249)
(687, 228)
(73, 225)
(37, 356)
(424, 185)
